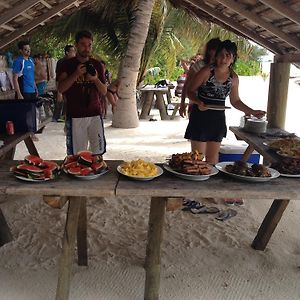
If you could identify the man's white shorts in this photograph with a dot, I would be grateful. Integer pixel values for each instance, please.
(85, 134)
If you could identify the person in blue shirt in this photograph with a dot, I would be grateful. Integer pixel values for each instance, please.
(23, 73)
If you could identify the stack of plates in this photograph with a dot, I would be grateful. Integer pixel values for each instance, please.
(256, 125)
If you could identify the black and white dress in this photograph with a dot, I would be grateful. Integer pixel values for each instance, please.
(209, 125)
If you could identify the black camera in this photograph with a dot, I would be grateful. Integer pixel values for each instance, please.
(90, 69)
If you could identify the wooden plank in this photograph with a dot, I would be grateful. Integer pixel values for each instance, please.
(161, 106)
(147, 104)
(103, 186)
(65, 263)
(5, 233)
(82, 235)
(30, 146)
(10, 141)
(155, 235)
(269, 224)
(287, 58)
(247, 153)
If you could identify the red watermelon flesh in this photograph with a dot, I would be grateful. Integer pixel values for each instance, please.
(29, 168)
(49, 165)
(97, 166)
(86, 171)
(74, 170)
(85, 158)
(70, 158)
(33, 160)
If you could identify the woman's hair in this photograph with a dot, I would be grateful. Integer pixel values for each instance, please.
(212, 44)
(230, 47)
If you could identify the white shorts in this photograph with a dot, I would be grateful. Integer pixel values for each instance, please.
(85, 134)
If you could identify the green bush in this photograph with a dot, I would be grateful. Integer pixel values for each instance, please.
(247, 68)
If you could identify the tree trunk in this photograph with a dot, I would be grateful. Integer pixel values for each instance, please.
(126, 115)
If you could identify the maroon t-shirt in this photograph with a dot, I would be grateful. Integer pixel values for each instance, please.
(82, 98)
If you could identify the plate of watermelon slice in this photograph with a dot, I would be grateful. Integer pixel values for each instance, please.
(35, 169)
(84, 165)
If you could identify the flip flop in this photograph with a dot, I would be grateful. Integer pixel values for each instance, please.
(192, 204)
(226, 214)
(205, 210)
(239, 202)
(229, 201)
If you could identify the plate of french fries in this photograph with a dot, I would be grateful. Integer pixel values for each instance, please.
(140, 170)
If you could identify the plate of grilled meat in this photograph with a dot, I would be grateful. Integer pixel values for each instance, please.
(189, 166)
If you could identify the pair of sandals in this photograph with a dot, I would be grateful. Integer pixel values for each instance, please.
(196, 207)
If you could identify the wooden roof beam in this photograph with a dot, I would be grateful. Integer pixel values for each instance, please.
(36, 22)
(236, 26)
(27, 16)
(283, 9)
(45, 3)
(287, 58)
(17, 10)
(10, 28)
(258, 20)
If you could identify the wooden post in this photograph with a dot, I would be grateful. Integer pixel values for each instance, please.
(5, 233)
(147, 104)
(65, 264)
(161, 106)
(155, 233)
(278, 90)
(247, 153)
(31, 147)
(82, 235)
(269, 224)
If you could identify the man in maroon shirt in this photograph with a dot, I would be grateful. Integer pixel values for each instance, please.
(82, 82)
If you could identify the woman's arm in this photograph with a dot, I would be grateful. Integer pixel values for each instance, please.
(238, 103)
(199, 79)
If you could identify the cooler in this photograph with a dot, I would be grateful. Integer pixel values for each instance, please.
(23, 113)
(233, 152)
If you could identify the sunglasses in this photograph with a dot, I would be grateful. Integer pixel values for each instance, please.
(26, 49)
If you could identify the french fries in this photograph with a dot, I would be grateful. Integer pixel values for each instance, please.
(139, 168)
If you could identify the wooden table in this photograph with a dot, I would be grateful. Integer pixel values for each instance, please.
(148, 93)
(160, 189)
(272, 218)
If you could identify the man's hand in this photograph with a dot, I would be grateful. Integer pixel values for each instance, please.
(94, 78)
(20, 96)
(80, 70)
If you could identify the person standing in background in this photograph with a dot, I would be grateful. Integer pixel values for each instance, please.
(23, 73)
(40, 75)
(70, 52)
(82, 82)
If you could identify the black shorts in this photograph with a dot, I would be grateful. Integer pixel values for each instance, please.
(206, 126)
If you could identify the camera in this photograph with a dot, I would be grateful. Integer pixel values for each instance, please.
(90, 69)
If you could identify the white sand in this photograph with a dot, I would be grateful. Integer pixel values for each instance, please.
(202, 258)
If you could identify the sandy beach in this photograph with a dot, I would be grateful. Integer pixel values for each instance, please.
(202, 258)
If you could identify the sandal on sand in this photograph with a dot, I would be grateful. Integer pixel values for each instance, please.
(234, 201)
(205, 210)
(189, 204)
(226, 214)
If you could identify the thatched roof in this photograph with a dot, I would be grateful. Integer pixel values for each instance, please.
(272, 24)
(18, 17)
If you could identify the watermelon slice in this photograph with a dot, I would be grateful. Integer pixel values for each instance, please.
(97, 166)
(33, 160)
(85, 158)
(70, 158)
(74, 170)
(29, 168)
(86, 171)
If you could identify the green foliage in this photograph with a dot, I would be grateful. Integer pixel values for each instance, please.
(247, 68)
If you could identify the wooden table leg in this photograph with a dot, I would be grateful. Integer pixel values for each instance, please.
(82, 235)
(65, 264)
(247, 153)
(5, 233)
(269, 224)
(31, 147)
(155, 233)
(162, 106)
(147, 104)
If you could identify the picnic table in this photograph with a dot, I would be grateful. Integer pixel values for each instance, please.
(161, 190)
(147, 94)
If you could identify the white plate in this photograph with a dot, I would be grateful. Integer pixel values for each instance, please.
(141, 178)
(222, 165)
(31, 180)
(217, 107)
(214, 171)
(283, 154)
(290, 175)
(88, 177)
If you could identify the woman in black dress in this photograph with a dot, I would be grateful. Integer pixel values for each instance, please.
(210, 87)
